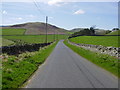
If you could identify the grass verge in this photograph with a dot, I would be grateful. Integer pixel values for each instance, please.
(107, 62)
(17, 69)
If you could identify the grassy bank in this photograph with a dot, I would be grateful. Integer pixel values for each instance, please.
(17, 69)
(97, 40)
(105, 61)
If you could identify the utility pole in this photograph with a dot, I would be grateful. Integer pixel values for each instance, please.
(57, 35)
(46, 28)
(54, 35)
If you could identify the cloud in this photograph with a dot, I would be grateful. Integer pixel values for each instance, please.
(79, 12)
(19, 18)
(31, 16)
(62, 0)
(4, 12)
(55, 2)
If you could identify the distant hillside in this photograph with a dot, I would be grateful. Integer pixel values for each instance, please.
(102, 32)
(77, 29)
(97, 31)
(114, 33)
(36, 28)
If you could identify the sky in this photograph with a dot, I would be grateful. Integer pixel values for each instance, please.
(66, 15)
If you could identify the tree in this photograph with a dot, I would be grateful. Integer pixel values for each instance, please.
(115, 29)
(85, 32)
(92, 29)
(108, 31)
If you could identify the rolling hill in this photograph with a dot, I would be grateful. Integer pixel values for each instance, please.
(36, 28)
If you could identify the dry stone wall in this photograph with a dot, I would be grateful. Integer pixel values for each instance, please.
(18, 49)
(113, 51)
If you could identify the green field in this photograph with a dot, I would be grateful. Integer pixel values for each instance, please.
(12, 31)
(5, 42)
(97, 40)
(114, 33)
(16, 36)
(105, 61)
(35, 38)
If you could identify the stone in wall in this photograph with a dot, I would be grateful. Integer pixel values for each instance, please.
(17, 49)
(113, 51)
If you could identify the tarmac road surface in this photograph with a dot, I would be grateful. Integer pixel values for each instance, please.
(66, 69)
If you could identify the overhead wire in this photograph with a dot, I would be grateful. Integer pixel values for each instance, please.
(38, 7)
(34, 2)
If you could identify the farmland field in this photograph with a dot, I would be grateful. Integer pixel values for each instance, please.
(97, 40)
(16, 35)
(12, 31)
(35, 38)
(5, 42)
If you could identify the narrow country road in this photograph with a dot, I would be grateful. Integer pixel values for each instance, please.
(66, 69)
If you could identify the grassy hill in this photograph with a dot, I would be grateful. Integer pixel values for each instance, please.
(36, 28)
(31, 33)
(77, 29)
(114, 33)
